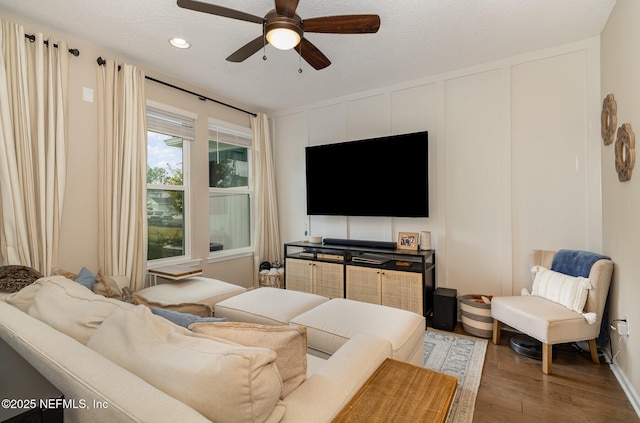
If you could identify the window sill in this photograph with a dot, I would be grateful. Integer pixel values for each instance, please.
(183, 261)
(219, 256)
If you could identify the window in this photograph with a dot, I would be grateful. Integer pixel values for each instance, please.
(168, 137)
(230, 188)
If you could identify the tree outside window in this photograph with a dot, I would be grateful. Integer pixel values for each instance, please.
(165, 196)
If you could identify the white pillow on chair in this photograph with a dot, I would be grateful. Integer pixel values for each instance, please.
(570, 291)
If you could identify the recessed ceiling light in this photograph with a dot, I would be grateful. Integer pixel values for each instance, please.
(179, 42)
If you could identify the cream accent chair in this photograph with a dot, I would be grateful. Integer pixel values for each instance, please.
(552, 323)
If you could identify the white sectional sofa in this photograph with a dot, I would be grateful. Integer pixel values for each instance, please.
(160, 372)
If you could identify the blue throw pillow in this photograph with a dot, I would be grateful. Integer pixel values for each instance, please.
(184, 319)
(86, 278)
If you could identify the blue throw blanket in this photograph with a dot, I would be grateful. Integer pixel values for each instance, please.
(575, 262)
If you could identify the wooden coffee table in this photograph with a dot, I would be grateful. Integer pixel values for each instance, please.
(401, 392)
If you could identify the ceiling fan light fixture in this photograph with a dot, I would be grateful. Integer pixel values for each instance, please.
(283, 38)
(282, 32)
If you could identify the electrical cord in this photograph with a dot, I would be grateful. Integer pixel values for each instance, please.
(620, 337)
(574, 347)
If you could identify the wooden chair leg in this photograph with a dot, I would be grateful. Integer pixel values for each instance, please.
(593, 348)
(547, 357)
(496, 331)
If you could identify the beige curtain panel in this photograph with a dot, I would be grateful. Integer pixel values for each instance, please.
(267, 238)
(33, 136)
(122, 171)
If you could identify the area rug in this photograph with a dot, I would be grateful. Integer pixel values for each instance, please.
(460, 356)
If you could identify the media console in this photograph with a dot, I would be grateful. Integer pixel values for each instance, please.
(364, 272)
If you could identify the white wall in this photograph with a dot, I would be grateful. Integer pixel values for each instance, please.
(621, 200)
(473, 166)
(511, 162)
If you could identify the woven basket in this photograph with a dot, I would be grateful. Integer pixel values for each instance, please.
(476, 316)
(271, 280)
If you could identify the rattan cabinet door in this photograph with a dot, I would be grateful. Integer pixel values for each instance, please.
(299, 275)
(328, 279)
(402, 290)
(364, 284)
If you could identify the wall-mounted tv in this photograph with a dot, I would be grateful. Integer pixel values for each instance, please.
(385, 176)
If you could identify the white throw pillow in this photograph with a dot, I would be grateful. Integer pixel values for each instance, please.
(570, 291)
(222, 381)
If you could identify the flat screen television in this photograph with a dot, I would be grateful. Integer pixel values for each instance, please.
(385, 176)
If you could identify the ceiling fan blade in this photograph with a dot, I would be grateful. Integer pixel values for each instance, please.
(287, 7)
(219, 11)
(346, 24)
(312, 55)
(247, 50)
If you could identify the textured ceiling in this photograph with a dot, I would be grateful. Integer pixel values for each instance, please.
(417, 38)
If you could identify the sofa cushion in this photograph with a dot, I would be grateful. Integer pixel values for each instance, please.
(334, 322)
(192, 290)
(224, 382)
(22, 299)
(544, 320)
(184, 319)
(289, 343)
(267, 306)
(71, 308)
(563, 289)
(198, 309)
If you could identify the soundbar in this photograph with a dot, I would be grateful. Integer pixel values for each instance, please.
(360, 243)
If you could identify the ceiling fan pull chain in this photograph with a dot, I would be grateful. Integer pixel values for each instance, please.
(300, 57)
(264, 44)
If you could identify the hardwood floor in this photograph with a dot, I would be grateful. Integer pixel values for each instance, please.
(514, 389)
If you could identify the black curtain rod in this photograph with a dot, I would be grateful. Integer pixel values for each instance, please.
(74, 51)
(101, 62)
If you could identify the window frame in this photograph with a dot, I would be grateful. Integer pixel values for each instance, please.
(187, 134)
(215, 125)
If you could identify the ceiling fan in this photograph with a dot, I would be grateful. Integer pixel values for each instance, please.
(284, 29)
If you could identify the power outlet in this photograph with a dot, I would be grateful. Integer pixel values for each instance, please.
(623, 329)
(626, 318)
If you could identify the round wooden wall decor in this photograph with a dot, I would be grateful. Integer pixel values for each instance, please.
(625, 152)
(608, 119)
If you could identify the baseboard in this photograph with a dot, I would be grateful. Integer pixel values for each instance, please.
(628, 389)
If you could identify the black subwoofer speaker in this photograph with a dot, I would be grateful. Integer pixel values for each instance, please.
(445, 309)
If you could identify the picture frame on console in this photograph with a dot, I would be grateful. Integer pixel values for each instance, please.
(408, 241)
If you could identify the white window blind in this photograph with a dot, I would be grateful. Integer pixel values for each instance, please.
(169, 123)
(229, 135)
